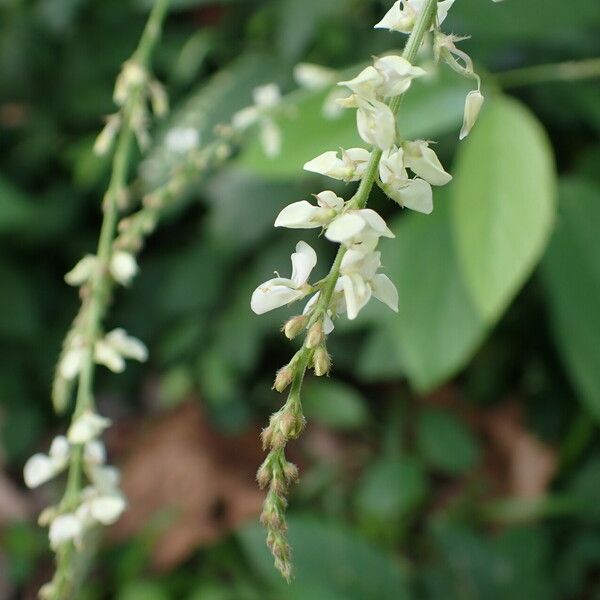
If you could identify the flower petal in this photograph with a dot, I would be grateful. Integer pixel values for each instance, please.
(345, 227)
(38, 469)
(416, 195)
(375, 222)
(385, 291)
(269, 295)
(303, 262)
(297, 215)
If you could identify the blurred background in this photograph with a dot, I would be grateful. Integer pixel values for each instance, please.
(454, 452)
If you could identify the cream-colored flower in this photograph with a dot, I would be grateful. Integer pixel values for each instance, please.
(280, 291)
(304, 215)
(473, 104)
(350, 167)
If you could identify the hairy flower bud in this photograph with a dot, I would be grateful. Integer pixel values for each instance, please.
(321, 362)
(263, 475)
(283, 378)
(294, 326)
(315, 335)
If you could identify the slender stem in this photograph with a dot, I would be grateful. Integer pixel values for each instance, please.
(564, 71)
(361, 197)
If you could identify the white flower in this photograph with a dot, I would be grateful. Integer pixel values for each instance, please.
(473, 104)
(71, 362)
(415, 193)
(366, 83)
(331, 105)
(357, 226)
(82, 271)
(94, 453)
(270, 137)
(181, 140)
(112, 350)
(423, 161)
(328, 326)
(107, 509)
(375, 121)
(303, 215)
(313, 77)
(391, 167)
(351, 167)
(359, 281)
(397, 74)
(65, 528)
(281, 291)
(123, 267)
(403, 14)
(40, 468)
(87, 427)
(266, 98)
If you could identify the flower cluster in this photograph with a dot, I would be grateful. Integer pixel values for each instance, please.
(99, 503)
(405, 170)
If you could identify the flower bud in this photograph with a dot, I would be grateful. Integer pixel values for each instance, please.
(123, 267)
(283, 378)
(294, 326)
(315, 335)
(290, 471)
(263, 475)
(321, 362)
(473, 104)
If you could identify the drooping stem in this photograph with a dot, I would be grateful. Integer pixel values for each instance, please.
(96, 295)
(275, 471)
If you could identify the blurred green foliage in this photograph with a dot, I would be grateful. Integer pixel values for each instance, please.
(411, 512)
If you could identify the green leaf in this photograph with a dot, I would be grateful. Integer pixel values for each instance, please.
(334, 404)
(503, 203)
(571, 274)
(445, 443)
(431, 109)
(329, 558)
(437, 328)
(391, 489)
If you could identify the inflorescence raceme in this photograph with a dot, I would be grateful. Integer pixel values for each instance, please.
(405, 170)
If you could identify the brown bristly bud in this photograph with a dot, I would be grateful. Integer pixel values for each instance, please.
(263, 475)
(294, 326)
(283, 378)
(321, 361)
(290, 472)
(315, 335)
(291, 423)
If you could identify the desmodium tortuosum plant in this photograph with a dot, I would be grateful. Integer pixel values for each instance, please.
(376, 94)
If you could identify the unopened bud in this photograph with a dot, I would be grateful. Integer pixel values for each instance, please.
(315, 335)
(291, 423)
(283, 378)
(321, 362)
(294, 326)
(290, 471)
(263, 475)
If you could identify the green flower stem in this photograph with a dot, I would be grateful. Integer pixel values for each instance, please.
(97, 295)
(565, 71)
(273, 515)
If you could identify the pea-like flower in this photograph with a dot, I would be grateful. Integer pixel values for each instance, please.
(350, 167)
(473, 104)
(423, 162)
(304, 215)
(112, 350)
(40, 468)
(280, 291)
(403, 15)
(360, 228)
(374, 119)
(359, 281)
(266, 99)
(87, 427)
